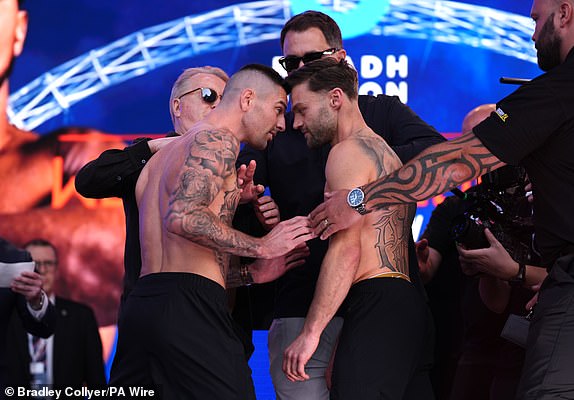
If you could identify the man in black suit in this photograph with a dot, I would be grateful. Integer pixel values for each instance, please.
(74, 352)
(26, 299)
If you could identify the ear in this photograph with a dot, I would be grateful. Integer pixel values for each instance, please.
(246, 99)
(176, 107)
(20, 31)
(341, 54)
(565, 13)
(336, 98)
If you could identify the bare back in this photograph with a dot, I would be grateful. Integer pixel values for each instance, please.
(382, 235)
(192, 177)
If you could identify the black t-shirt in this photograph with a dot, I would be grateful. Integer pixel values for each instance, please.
(534, 127)
(295, 176)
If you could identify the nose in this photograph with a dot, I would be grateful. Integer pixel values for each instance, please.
(297, 122)
(281, 123)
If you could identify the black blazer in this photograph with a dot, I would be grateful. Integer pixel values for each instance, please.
(14, 303)
(77, 351)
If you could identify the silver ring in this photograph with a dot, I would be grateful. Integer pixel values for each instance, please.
(325, 222)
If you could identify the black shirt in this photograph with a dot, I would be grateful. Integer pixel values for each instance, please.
(534, 127)
(295, 176)
(114, 174)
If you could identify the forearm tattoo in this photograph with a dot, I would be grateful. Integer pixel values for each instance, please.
(209, 164)
(435, 171)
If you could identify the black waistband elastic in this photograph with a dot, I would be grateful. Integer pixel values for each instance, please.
(162, 282)
(370, 285)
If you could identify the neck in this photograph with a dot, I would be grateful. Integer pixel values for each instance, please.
(221, 118)
(350, 123)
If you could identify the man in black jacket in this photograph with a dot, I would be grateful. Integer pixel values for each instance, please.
(27, 298)
(115, 172)
(295, 176)
(74, 350)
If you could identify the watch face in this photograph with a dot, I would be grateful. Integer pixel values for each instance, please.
(356, 197)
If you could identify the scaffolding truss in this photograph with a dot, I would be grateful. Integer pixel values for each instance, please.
(247, 23)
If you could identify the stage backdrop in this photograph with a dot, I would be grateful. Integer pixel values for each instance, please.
(109, 65)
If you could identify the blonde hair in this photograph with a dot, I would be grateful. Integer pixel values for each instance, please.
(180, 86)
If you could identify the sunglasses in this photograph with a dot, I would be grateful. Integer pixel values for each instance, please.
(207, 94)
(291, 63)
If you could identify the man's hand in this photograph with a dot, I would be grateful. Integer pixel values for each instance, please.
(29, 285)
(249, 190)
(423, 253)
(266, 211)
(493, 260)
(263, 271)
(286, 236)
(333, 215)
(297, 355)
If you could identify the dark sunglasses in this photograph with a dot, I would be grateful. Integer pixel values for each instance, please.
(207, 94)
(291, 63)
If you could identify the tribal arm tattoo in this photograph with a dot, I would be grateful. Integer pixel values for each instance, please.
(436, 170)
(393, 228)
(211, 160)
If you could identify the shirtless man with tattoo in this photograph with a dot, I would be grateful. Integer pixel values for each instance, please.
(177, 333)
(366, 267)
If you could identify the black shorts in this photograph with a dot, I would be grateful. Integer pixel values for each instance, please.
(383, 344)
(177, 334)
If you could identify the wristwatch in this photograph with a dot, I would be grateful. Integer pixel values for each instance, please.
(355, 200)
(520, 277)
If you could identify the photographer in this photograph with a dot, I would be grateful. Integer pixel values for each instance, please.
(532, 127)
(471, 360)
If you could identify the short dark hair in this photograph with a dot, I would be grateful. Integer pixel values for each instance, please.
(326, 74)
(314, 19)
(268, 72)
(42, 243)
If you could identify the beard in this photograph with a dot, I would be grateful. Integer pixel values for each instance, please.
(322, 130)
(548, 46)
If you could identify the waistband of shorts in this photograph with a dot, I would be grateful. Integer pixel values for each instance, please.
(371, 285)
(390, 274)
(166, 281)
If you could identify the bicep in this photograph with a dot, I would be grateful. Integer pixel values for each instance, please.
(210, 160)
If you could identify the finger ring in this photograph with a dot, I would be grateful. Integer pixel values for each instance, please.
(326, 222)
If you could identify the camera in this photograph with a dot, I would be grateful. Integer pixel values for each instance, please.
(499, 204)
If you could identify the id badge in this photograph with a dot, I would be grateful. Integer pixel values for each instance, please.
(37, 368)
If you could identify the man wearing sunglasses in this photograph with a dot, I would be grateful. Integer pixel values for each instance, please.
(295, 176)
(114, 173)
(195, 93)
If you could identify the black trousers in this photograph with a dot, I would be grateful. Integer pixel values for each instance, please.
(384, 344)
(177, 335)
(548, 371)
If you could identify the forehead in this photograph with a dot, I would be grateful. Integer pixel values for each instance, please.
(41, 253)
(302, 95)
(280, 95)
(541, 7)
(299, 43)
(205, 80)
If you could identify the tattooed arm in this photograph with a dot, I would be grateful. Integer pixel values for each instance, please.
(209, 169)
(436, 170)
